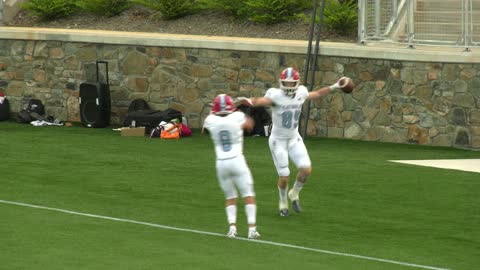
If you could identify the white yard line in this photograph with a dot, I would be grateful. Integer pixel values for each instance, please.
(223, 235)
(468, 165)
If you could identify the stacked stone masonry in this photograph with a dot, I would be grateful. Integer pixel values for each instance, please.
(402, 102)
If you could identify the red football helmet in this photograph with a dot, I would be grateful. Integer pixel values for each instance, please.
(223, 104)
(289, 81)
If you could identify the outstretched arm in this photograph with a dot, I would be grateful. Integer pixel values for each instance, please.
(345, 84)
(261, 101)
(321, 92)
(255, 102)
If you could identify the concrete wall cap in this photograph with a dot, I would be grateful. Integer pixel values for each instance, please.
(384, 51)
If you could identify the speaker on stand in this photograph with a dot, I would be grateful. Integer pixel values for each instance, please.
(95, 101)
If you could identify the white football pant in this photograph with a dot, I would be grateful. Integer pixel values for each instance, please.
(234, 173)
(282, 149)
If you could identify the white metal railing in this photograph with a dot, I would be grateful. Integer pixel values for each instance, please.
(474, 22)
(377, 18)
(453, 22)
(437, 22)
(1, 12)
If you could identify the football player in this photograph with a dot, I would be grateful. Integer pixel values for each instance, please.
(226, 126)
(285, 141)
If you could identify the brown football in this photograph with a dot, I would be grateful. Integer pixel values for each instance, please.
(346, 84)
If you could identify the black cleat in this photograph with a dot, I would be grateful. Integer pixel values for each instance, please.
(296, 206)
(293, 196)
(283, 212)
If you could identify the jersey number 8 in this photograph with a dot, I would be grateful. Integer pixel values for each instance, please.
(290, 120)
(226, 140)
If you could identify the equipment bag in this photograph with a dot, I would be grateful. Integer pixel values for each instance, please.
(172, 132)
(36, 106)
(150, 118)
(261, 117)
(155, 133)
(33, 110)
(186, 131)
(138, 104)
(4, 108)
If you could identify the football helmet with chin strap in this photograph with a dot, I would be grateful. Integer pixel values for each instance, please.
(223, 104)
(289, 81)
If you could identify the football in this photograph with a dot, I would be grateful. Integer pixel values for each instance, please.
(346, 84)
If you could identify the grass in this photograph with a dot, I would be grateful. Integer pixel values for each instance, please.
(356, 202)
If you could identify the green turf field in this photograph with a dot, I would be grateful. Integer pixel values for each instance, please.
(78, 198)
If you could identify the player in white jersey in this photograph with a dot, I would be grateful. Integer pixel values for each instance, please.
(285, 142)
(226, 126)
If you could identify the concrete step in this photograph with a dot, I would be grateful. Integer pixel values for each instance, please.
(452, 28)
(443, 1)
(439, 5)
(438, 27)
(444, 29)
(442, 16)
(438, 37)
(444, 5)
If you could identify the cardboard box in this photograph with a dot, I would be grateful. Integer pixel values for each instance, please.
(136, 131)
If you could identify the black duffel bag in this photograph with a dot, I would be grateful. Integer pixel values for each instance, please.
(4, 108)
(150, 118)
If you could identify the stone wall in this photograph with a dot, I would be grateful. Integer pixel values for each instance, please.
(430, 103)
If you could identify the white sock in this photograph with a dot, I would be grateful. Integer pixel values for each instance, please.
(231, 214)
(298, 186)
(251, 211)
(282, 193)
(252, 229)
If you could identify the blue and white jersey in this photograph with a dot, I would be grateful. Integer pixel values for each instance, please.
(226, 133)
(286, 111)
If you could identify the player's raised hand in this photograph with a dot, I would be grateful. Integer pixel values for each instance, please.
(242, 101)
(345, 84)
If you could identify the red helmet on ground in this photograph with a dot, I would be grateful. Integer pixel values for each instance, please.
(223, 104)
(289, 80)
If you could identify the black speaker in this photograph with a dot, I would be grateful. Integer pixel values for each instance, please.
(95, 101)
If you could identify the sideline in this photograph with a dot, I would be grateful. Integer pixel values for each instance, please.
(223, 235)
(468, 165)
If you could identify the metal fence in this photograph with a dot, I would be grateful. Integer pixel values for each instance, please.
(441, 22)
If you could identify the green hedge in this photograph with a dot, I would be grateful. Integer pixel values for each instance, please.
(108, 8)
(340, 16)
(50, 9)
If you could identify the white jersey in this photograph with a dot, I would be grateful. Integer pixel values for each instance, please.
(286, 111)
(227, 134)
